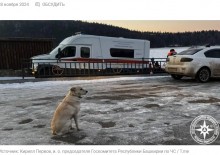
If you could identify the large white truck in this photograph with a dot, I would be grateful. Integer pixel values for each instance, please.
(79, 51)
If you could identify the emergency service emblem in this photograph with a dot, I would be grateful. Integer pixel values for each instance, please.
(204, 129)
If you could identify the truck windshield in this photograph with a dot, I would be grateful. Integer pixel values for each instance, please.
(55, 50)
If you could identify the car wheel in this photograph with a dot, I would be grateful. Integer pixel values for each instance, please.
(176, 77)
(203, 75)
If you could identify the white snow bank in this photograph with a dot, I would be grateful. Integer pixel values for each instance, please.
(15, 78)
(45, 84)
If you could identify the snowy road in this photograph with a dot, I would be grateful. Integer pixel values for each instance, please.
(122, 110)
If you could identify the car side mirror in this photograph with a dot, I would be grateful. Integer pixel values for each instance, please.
(58, 56)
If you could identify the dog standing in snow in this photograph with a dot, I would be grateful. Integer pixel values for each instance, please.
(67, 109)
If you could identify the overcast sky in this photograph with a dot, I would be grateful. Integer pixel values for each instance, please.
(164, 25)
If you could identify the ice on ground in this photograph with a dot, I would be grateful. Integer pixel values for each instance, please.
(15, 78)
(125, 110)
(46, 84)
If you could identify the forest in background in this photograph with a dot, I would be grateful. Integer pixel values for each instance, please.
(58, 30)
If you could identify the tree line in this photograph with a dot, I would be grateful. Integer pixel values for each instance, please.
(58, 30)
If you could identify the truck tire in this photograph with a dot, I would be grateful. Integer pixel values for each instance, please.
(117, 70)
(56, 70)
(45, 72)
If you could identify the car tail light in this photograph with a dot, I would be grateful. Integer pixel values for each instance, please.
(186, 59)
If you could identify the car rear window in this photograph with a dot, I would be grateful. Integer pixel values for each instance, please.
(190, 51)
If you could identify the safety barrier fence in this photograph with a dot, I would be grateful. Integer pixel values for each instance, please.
(41, 68)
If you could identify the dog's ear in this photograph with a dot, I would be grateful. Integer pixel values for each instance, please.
(73, 89)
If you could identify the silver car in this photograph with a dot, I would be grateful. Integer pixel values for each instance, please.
(200, 63)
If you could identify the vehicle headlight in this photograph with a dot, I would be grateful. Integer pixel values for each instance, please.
(34, 66)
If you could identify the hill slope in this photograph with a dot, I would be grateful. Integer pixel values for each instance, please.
(62, 29)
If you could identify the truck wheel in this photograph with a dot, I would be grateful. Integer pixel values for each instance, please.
(117, 70)
(203, 75)
(43, 72)
(176, 77)
(56, 70)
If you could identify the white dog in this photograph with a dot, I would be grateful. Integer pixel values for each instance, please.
(66, 110)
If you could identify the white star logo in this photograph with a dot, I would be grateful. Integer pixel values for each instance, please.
(204, 129)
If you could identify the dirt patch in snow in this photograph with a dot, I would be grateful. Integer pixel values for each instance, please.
(152, 106)
(39, 126)
(124, 110)
(107, 124)
(210, 100)
(25, 121)
(119, 97)
(7, 129)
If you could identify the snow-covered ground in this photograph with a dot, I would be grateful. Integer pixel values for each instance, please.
(120, 110)
(15, 78)
(117, 110)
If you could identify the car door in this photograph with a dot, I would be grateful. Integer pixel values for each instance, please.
(66, 56)
(68, 53)
(214, 61)
(85, 56)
